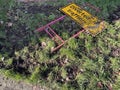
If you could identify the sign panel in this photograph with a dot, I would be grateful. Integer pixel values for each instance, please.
(89, 22)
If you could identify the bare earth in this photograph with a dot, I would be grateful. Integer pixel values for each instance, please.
(9, 84)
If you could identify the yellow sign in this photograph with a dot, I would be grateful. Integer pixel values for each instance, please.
(97, 28)
(89, 22)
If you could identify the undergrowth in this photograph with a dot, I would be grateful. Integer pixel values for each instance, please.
(83, 63)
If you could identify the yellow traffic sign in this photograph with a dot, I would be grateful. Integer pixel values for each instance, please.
(89, 22)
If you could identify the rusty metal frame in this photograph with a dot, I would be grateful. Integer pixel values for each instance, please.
(55, 37)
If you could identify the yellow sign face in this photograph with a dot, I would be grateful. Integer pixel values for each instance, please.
(97, 28)
(89, 22)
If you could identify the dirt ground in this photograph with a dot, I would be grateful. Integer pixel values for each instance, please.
(9, 84)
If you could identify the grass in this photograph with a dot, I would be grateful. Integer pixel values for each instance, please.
(84, 63)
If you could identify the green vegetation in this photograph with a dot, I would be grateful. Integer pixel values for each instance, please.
(83, 63)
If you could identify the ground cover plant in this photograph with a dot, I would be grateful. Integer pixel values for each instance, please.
(84, 63)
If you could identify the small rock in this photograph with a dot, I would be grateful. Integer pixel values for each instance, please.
(99, 84)
(43, 44)
(34, 63)
(67, 79)
(16, 18)
(81, 70)
(52, 48)
(10, 24)
(116, 52)
(66, 61)
(31, 60)
(26, 11)
(35, 88)
(1, 22)
(2, 58)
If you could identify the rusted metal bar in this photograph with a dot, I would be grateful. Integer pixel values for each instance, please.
(51, 23)
(58, 41)
(56, 34)
(92, 6)
(56, 20)
(76, 35)
(40, 29)
(49, 33)
(58, 47)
